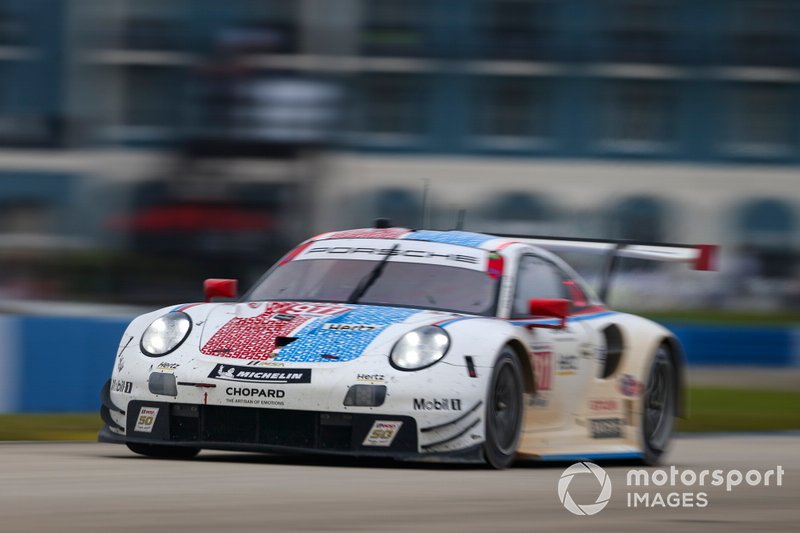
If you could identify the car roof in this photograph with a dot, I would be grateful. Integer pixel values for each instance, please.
(456, 237)
(483, 241)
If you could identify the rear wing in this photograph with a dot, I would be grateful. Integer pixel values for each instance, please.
(699, 256)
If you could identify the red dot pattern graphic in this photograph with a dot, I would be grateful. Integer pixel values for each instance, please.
(254, 337)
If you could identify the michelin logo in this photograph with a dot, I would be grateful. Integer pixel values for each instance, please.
(261, 375)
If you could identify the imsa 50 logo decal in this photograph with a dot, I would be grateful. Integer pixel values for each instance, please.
(146, 420)
(382, 433)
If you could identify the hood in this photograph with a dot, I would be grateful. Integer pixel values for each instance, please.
(306, 332)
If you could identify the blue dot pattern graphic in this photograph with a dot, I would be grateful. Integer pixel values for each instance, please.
(317, 344)
(459, 238)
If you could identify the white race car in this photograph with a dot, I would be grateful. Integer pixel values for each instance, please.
(407, 344)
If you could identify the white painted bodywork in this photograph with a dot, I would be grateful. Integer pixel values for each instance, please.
(568, 391)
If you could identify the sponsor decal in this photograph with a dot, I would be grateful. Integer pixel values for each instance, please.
(265, 363)
(542, 360)
(146, 420)
(382, 433)
(351, 327)
(606, 428)
(167, 366)
(371, 378)
(443, 404)
(256, 375)
(603, 405)
(118, 385)
(567, 364)
(254, 396)
(630, 386)
(318, 251)
(254, 392)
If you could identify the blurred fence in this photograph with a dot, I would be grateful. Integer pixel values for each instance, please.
(58, 363)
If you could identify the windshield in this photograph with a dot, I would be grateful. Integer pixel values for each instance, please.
(422, 285)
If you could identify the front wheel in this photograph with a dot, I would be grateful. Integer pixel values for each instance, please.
(163, 452)
(659, 406)
(503, 411)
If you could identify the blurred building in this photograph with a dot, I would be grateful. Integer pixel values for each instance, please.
(647, 119)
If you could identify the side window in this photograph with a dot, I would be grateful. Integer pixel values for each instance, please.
(536, 278)
(576, 294)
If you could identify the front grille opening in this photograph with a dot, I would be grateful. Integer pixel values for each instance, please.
(279, 428)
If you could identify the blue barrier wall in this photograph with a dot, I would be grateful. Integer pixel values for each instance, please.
(47, 344)
(58, 364)
(738, 346)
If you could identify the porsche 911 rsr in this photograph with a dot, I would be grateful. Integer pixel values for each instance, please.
(390, 342)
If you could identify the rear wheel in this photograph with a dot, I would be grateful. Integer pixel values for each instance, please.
(659, 406)
(163, 452)
(504, 411)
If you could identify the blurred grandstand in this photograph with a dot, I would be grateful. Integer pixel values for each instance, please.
(148, 144)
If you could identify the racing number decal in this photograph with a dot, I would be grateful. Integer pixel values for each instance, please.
(543, 369)
(313, 309)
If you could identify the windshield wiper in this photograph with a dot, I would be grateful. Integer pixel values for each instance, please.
(368, 280)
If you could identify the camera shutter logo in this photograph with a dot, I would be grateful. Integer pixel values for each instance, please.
(602, 498)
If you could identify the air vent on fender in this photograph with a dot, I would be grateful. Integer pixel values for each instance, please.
(614, 349)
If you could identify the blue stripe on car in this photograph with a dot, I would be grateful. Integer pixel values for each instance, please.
(314, 341)
(575, 457)
(460, 238)
(555, 321)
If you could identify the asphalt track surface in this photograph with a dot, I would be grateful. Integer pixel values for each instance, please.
(88, 487)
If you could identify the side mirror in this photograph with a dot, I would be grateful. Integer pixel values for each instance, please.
(550, 308)
(223, 288)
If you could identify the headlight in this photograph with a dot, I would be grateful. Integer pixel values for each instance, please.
(165, 334)
(420, 348)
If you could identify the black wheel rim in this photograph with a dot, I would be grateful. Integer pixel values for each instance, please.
(659, 402)
(506, 409)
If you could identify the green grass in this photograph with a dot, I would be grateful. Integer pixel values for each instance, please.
(710, 409)
(717, 409)
(72, 426)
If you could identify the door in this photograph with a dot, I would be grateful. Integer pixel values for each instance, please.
(560, 371)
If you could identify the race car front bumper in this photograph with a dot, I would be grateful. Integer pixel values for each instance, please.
(277, 430)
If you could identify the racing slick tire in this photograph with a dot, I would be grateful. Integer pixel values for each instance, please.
(659, 406)
(504, 410)
(163, 452)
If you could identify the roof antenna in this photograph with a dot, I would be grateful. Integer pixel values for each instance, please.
(382, 223)
(425, 215)
(462, 213)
